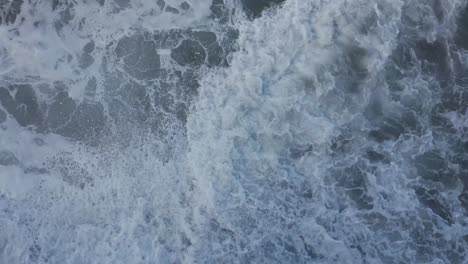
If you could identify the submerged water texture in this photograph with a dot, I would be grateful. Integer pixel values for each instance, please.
(236, 131)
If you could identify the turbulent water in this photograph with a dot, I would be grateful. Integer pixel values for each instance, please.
(235, 131)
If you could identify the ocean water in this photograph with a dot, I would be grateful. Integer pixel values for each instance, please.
(233, 131)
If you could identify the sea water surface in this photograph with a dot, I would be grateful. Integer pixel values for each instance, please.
(233, 131)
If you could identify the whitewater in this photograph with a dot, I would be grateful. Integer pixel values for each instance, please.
(233, 131)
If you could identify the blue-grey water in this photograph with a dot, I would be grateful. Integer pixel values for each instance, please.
(233, 131)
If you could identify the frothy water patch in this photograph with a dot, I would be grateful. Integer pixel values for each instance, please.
(329, 153)
(233, 131)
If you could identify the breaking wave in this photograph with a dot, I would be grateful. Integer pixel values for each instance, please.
(234, 131)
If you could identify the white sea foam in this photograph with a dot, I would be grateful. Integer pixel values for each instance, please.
(290, 154)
